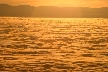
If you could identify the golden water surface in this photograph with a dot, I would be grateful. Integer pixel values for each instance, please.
(53, 44)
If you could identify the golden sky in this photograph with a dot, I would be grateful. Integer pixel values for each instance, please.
(61, 3)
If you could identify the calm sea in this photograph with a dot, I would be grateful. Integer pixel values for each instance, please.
(53, 44)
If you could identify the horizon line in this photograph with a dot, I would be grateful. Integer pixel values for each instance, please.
(53, 6)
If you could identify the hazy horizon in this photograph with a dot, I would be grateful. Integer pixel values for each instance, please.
(52, 12)
(52, 6)
(58, 3)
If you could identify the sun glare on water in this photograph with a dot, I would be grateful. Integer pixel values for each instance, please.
(54, 44)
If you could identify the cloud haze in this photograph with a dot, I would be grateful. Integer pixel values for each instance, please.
(62, 3)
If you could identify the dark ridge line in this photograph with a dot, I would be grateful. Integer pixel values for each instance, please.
(52, 11)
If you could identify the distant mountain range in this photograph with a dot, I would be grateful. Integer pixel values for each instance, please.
(52, 12)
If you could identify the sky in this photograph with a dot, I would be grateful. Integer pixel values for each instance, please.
(60, 3)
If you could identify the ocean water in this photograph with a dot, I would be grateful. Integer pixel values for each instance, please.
(53, 44)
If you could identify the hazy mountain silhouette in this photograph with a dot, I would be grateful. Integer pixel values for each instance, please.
(50, 11)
